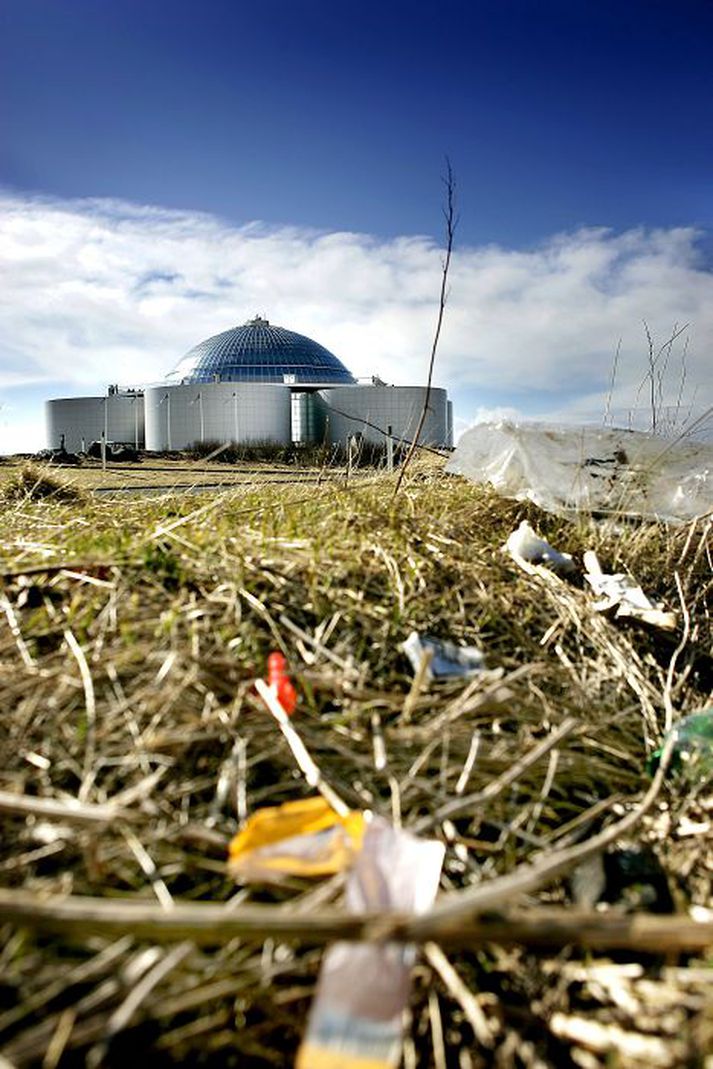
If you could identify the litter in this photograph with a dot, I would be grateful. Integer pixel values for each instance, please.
(357, 1015)
(629, 876)
(301, 838)
(280, 682)
(525, 544)
(622, 593)
(447, 661)
(692, 754)
(575, 469)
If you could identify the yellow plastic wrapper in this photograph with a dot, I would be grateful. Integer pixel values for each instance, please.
(305, 838)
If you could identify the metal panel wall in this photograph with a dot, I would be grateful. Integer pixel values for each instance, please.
(181, 416)
(83, 419)
(371, 410)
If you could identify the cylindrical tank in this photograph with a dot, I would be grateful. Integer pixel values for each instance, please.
(371, 410)
(178, 417)
(309, 418)
(78, 421)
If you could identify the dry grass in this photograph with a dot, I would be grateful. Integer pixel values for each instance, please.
(161, 474)
(131, 635)
(29, 481)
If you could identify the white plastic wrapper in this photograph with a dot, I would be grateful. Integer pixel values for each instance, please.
(363, 989)
(566, 469)
(525, 544)
(448, 661)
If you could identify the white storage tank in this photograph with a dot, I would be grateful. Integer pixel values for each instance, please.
(309, 418)
(178, 417)
(76, 422)
(371, 410)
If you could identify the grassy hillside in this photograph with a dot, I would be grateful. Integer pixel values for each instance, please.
(131, 632)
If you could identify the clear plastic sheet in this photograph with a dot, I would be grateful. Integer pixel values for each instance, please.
(601, 470)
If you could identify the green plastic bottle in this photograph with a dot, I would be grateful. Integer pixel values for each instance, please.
(692, 754)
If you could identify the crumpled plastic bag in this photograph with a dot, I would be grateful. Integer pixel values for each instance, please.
(301, 838)
(566, 469)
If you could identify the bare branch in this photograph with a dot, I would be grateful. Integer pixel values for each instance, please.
(451, 222)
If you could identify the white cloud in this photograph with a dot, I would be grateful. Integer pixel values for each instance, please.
(97, 291)
(21, 433)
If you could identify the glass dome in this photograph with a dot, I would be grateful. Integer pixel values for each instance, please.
(259, 352)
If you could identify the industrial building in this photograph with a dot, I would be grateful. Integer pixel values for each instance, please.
(255, 383)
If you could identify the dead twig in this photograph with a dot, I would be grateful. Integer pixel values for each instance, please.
(470, 801)
(450, 220)
(67, 811)
(532, 876)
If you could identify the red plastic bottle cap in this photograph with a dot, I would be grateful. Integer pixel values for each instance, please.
(287, 696)
(276, 667)
(278, 678)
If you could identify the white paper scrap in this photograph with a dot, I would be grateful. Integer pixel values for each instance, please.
(623, 593)
(363, 989)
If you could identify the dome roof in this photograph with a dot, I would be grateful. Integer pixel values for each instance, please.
(259, 352)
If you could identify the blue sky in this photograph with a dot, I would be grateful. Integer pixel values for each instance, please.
(135, 134)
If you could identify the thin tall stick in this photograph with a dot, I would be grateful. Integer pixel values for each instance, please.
(612, 381)
(451, 221)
